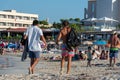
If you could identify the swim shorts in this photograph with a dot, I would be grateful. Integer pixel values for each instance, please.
(65, 52)
(113, 53)
(34, 54)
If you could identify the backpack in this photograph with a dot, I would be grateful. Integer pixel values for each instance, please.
(72, 39)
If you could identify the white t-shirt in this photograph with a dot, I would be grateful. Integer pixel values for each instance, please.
(34, 34)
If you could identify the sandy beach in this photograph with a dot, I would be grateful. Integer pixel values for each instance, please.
(12, 68)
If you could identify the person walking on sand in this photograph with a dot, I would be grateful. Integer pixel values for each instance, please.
(113, 41)
(65, 52)
(89, 56)
(34, 35)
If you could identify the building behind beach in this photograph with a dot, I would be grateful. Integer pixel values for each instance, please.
(103, 8)
(14, 19)
(13, 23)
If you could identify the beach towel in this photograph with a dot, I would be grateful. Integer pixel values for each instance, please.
(25, 52)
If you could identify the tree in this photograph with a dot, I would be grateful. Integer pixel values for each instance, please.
(77, 19)
(63, 20)
(71, 19)
(76, 27)
(57, 25)
(44, 22)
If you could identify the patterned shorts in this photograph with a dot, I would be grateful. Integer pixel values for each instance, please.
(65, 52)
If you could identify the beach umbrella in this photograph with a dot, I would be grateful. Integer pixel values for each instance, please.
(106, 19)
(87, 42)
(90, 19)
(100, 42)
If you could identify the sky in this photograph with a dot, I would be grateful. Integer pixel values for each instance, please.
(54, 10)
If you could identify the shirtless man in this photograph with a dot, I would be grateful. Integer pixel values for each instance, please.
(65, 53)
(113, 41)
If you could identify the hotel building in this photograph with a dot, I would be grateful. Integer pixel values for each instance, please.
(13, 23)
(13, 19)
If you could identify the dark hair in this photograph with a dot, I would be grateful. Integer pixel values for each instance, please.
(35, 22)
(89, 47)
(65, 23)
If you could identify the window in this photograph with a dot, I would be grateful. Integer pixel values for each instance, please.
(2, 16)
(26, 18)
(25, 25)
(10, 17)
(33, 18)
(10, 24)
(18, 24)
(2, 24)
(18, 17)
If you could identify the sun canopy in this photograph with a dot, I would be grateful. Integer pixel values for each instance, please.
(106, 19)
(90, 19)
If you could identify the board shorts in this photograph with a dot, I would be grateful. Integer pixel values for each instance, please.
(65, 52)
(34, 54)
(113, 53)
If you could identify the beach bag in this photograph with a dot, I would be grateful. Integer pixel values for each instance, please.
(23, 41)
(72, 39)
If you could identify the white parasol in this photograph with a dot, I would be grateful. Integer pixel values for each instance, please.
(90, 19)
(106, 19)
(87, 42)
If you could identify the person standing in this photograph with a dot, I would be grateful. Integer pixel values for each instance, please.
(113, 41)
(65, 52)
(89, 57)
(34, 35)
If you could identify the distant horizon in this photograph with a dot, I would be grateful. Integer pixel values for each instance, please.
(52, 10)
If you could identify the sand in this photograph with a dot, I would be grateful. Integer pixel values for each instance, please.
(11, 68)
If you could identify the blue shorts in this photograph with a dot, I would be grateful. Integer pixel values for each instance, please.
(34, 54)
(113, 53)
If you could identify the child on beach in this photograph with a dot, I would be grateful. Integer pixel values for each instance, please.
(89, 56)
(107, 55)
(103, 55)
